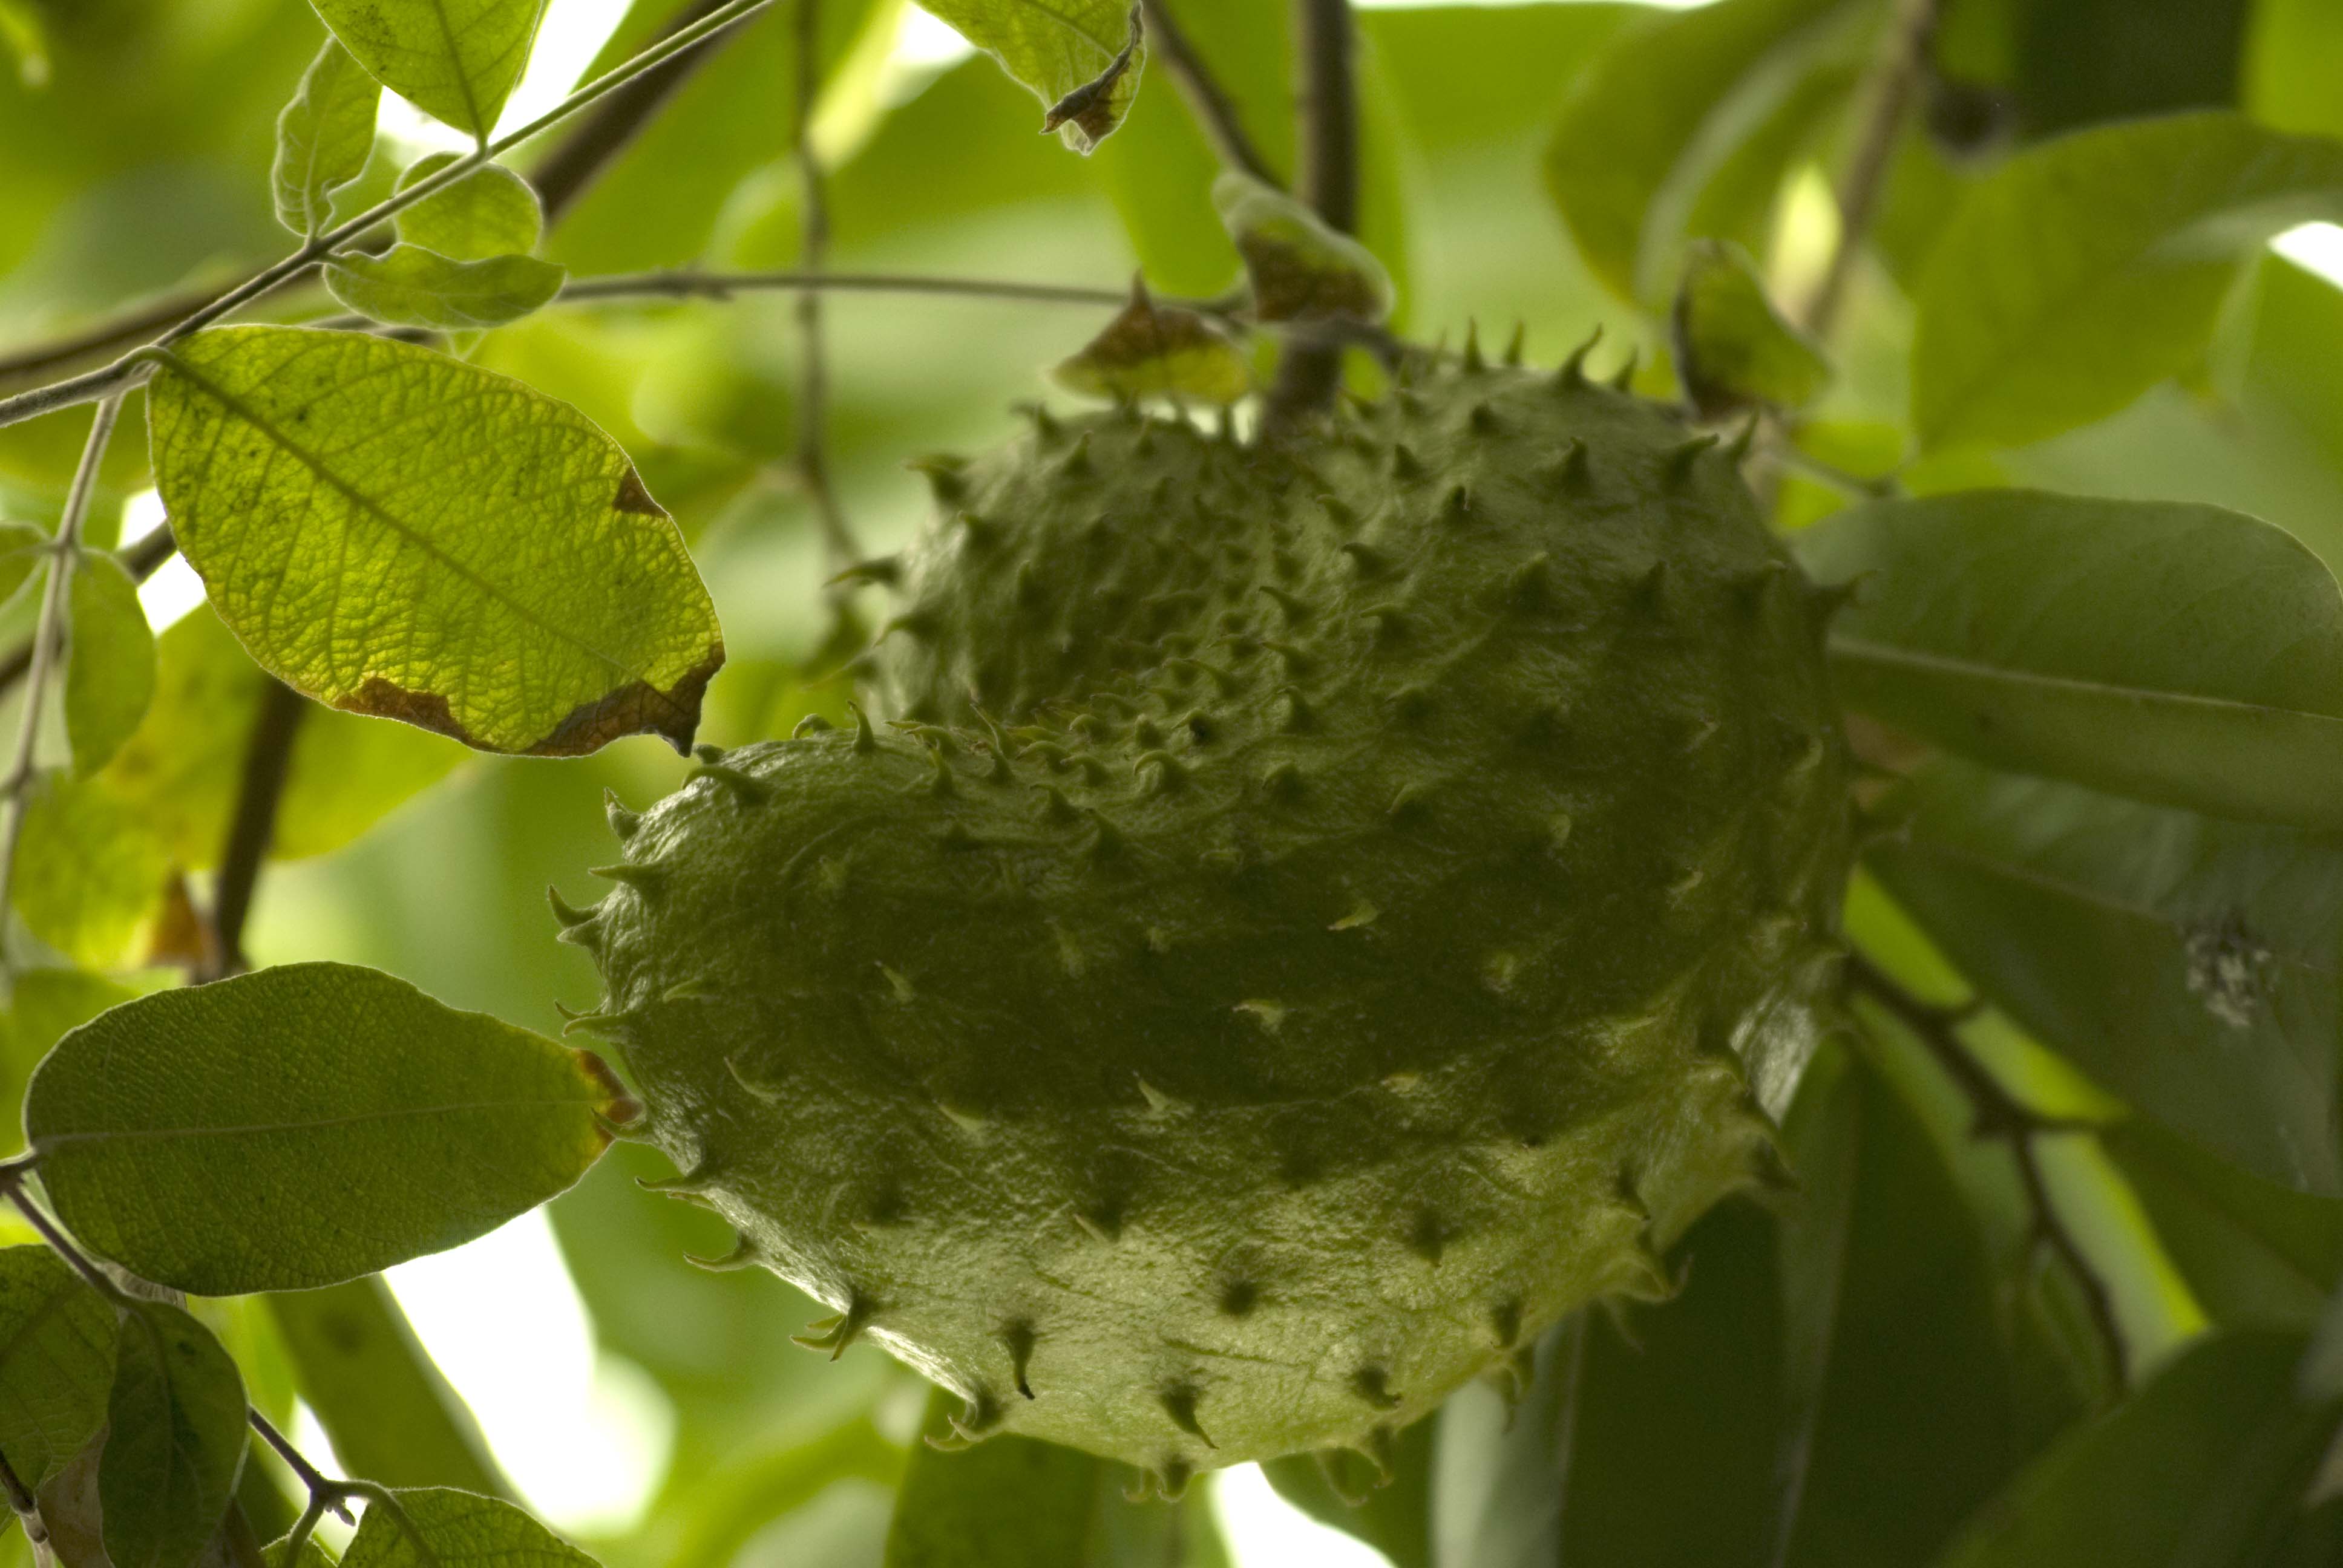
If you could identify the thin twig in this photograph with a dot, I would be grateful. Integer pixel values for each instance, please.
(570, 170)
(134, 325)
(2002, 1116)
(133, 366)
(311, 1478)
(1326, 178)
(12, 1185)
(1215, 112)
(20, 1496)
(48, 642)
(813, 359)
(267, 759)
(1866, 176)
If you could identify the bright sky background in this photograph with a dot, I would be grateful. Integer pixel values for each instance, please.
(586, 1435)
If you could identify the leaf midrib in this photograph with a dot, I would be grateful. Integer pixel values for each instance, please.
(141, 1134)
(316, 466)
(1855, 648)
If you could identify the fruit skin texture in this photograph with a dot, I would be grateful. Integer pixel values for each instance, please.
(1374, 898)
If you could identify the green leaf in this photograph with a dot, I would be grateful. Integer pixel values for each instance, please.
(1733, 348)
(110, 662)
(21, 548)
(174, 1439)
(2176, 653)
(1340, 1487)
(275, 1555)
(1646, 1436)
(89, 870)
(456, 60)
(1899, 1417)
(305, 1125)
(323, 138)
(408, 285)
(56, 1362)
(1006, 1502)
(1300, 269)
(2292, 47)
(1685, 125)
(1082, 58)
(2186, 964)
(2253, 1253)
(491, 211)
(42, 1004)
(469, 554)
(1151, 350)
(2088, 269)
(456, 1530)
(391, 1415)
(2206, 1466)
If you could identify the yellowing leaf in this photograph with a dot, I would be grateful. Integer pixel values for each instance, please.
(323, 138)
(1733, 348)
(401, 534)
(1152, 350)
(109, 663)
(1080, 58)
(1300, 269)
(491, 211)
(192, 1135)
(408, 285)
(456, 60)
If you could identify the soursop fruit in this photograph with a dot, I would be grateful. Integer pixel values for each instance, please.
(1322, 912)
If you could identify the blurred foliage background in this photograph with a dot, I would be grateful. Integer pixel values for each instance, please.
(134, 142)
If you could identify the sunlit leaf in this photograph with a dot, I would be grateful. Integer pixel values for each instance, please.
(491, 211)
(277, 1554)
(1082, 58)
(1685, 126)
(408, 285)
(1007, 1503)
(2092, 267)
(1152, 350)
(1341, 1487)
(43, 1003)
(174, 1439)
(401, 534)
(2175, 653)
(457, 1530)
(2290, 56)
(2253, 1251)
(1733, 348)
(1300, 269)
(456, 60)
(56, 1361)
(2205, 1466)
(189, 1134)
(323, 138)
(2186, 964)
(391, 1415)
(89, 870)
(109, 660)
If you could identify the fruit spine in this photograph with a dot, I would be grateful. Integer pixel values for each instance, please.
(1323, 913)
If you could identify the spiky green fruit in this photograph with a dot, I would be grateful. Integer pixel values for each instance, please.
(1375, 896)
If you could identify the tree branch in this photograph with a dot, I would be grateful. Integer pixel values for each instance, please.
(132, 368)
(1893, 81)
(1326, 178)
(267, 759)
(2002, 1116)
(570, 170)
(48, 642)
(813, 365)
(1215, 112)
